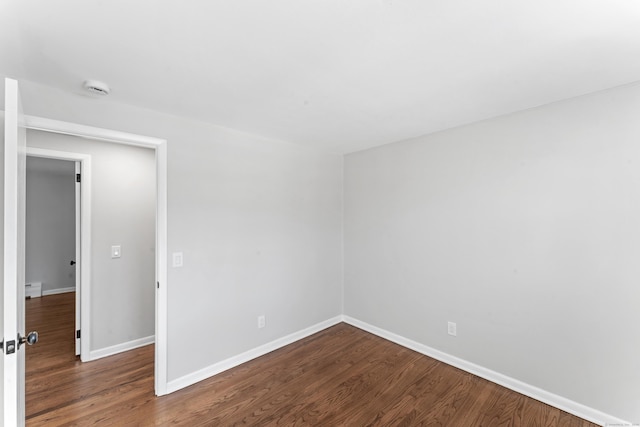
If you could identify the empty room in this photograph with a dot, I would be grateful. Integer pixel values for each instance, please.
(367, 212)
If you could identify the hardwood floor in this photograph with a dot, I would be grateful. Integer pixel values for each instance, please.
(341, 376)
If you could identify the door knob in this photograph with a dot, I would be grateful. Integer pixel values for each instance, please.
(72, 263)
(30, 339)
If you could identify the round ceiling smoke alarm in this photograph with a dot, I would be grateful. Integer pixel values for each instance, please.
(96, 87)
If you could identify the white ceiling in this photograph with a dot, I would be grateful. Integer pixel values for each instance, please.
(341, 75)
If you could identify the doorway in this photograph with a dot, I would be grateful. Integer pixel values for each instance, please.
(81, 231)
(53, 234)
(51, 244)
(159, 147)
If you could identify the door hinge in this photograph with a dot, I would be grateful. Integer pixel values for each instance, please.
(78, 333)
(78, 177)
(158, 285)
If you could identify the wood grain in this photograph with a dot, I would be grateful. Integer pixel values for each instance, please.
(341, 376)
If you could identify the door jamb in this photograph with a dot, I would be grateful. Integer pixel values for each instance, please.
(160, 147)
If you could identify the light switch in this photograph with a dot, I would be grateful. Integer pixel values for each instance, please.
(177, 259)
(115, 251)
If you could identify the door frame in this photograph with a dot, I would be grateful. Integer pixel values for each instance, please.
(13, 363)
(160, 147)
(83, 264)
(78, 255)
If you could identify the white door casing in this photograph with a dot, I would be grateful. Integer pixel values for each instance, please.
(78, 256)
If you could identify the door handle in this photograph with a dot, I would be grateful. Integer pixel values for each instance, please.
(72, 263)
(30, 339)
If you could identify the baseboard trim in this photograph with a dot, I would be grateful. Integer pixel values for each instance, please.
(119, 348)
(58, 291)
(232, 362)
(518, 386)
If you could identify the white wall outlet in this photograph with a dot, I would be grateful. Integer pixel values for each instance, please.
(116, 251)
(452, 329)
(261, 322)
(177, 259)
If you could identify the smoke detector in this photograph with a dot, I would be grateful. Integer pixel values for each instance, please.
(96, 87)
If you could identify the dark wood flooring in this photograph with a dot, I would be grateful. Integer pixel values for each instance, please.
(341, 376)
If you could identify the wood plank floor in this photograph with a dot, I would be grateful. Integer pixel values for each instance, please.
(341, 376)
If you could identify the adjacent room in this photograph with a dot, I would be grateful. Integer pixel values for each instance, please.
(368, 212)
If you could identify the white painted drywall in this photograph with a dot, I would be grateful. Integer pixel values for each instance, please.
(259, 222)
(525, 230)
(123, 213)
(50, 223)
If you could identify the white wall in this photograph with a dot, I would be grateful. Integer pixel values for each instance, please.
(259, 223)
(123, 213)
(525, 230)
(50, 223)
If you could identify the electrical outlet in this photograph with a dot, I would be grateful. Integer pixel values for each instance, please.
(451, 328)
(261, 322)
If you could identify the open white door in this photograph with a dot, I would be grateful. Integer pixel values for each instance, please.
(14, 256)
(78, 262)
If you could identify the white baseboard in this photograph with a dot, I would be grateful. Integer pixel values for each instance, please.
(119, 348)
(234, 361)
(58, 291)
(544, 396)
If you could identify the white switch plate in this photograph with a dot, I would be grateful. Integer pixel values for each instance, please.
(177, 259)
(261, 322)
(452, 329)
(116, 252)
